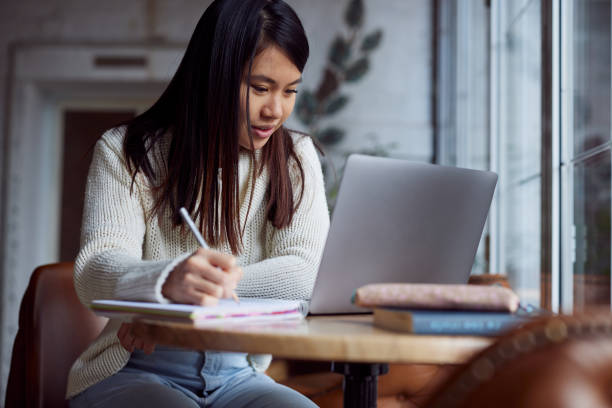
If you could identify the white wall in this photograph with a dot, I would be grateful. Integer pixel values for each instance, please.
(392, 101)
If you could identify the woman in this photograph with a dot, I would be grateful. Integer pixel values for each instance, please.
(214, 143)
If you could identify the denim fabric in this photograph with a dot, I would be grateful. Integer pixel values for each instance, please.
(172, 377)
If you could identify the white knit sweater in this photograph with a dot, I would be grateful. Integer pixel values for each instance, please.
(127, 256)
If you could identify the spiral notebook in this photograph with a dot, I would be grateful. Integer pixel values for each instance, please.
(226, 311)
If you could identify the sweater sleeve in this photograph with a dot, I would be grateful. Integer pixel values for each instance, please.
(109, 264)
(293, 253)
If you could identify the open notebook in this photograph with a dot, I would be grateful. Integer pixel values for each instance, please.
(248, 310)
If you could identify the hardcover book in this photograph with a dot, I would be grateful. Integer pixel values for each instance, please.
(465, 322)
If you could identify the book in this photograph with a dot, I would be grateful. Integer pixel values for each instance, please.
(429, 321)
(248, 310)
(437, 296)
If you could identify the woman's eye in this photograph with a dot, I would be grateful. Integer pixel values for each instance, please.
(292, 91)
(259, 88)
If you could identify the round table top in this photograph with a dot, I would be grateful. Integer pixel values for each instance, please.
(350, 338)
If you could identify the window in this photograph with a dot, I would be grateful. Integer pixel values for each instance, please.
(585, 153)
(461, 119)
(541, 86)
(516, 112)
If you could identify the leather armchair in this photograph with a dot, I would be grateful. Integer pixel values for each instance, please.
(558, 361)
(54, 328)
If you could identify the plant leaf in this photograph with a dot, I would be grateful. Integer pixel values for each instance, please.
(336, 104)
(306, 107)
(339, 51)
(357, 70)
(328, 85)
(354, 14)
(330, 136)
(371, 41)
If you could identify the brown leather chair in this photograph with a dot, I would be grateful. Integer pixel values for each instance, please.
(54, 328)
(558, 362)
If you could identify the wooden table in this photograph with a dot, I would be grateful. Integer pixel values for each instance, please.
(358, 350)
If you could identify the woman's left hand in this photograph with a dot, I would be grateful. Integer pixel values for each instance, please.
(131, 342)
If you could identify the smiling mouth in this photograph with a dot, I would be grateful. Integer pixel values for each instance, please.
(263, 131)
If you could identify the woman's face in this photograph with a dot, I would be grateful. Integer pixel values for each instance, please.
(272, 92)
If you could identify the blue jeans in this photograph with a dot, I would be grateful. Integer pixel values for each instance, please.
(172, 377)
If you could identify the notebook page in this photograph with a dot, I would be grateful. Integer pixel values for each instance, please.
(226, 308)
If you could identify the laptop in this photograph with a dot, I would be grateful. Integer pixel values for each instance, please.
(400, 221)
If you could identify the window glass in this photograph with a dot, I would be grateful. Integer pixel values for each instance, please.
(519, 127)
(462, 95)
(591, 152)
(592, 231)
(591, 79)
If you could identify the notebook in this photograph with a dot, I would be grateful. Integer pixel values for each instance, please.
(400, 221)
(226, 311)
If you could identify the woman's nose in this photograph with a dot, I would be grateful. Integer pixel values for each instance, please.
(273, 108)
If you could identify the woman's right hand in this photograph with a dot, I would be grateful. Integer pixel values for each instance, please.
(203, 278)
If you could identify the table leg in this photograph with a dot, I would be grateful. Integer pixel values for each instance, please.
(360, 384)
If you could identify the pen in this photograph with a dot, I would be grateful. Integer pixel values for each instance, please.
(200, 238)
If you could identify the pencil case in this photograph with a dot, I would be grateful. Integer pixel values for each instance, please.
(437, 296)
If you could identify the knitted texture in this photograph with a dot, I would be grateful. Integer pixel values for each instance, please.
(127, 255)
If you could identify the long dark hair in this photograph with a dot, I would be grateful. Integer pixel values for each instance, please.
(200, 108)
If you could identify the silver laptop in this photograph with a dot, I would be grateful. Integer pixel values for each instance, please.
(400, 221)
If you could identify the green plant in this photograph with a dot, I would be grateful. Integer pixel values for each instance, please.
(348, 61)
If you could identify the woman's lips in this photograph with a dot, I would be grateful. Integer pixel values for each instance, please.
(263, 131)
